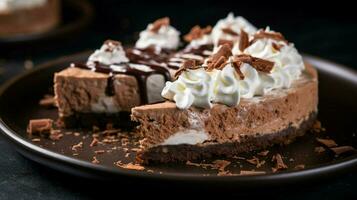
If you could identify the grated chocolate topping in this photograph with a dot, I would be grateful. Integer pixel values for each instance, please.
(197, 32)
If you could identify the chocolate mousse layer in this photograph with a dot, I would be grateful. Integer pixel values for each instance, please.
(30, 20)
(277, 117)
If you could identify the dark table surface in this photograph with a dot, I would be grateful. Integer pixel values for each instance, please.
(324, 34)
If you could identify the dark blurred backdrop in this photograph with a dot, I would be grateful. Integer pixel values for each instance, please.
(326, 29)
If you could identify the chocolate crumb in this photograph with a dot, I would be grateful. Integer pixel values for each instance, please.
(327, 142)
(127, 155)
(95, 160)
(263, 153)
(342, 149)
(36, 140)
(159, 23)
(299, 167)
(255, 161)
(40, 126)
(246, 172)
(197, 32)
(77, 146)
(319, 150)
(56, 135)
(317, 127)
(130, 166)
(99, 151)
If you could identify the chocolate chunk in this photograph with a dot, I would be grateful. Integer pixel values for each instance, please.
(159, 23)
(342, 149)
(95, 160)
(197, 32)
(327, 142)
(244, 40)
(77, 146)
(40, 126)
(188, 64)
(229, 31)
(258, 63)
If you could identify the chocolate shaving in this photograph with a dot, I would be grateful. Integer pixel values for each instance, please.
(111, 45)
(246, 172)
(342, 149)
(56, 135)
(95, 160)
(130, 166)
(159, 23)
(99, 151)
(229, 31)
(227, 42)
(188, 64)
(327, 142)
(197, 32)
(48, 101)
(94, 142)
(319, 150)
(263, 153)
(258, 63)
(277, 46)
(255, 161)
(244, 40)
(263, 34)
(77, 146)
(40, 126)
(279, 163)
(216, 60)
(299, 167)
(237, 65)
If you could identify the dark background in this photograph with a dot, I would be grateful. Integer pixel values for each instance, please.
(323, 29)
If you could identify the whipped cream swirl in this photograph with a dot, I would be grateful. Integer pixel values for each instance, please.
(226, 86)
(9, 5)
(110, 53)
(166, 37)
(193, 87)
(233, 23)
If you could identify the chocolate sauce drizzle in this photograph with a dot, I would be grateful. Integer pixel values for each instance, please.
(158, 62)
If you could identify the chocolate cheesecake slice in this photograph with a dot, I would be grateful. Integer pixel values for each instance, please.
(104, 89)
(28, 16)
(175, 135)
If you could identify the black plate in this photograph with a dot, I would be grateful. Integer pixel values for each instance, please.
(76, 17)
(337, 112)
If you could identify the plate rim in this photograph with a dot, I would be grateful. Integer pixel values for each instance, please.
(21, 143)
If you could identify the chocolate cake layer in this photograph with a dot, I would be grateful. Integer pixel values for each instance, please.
(185, 152)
